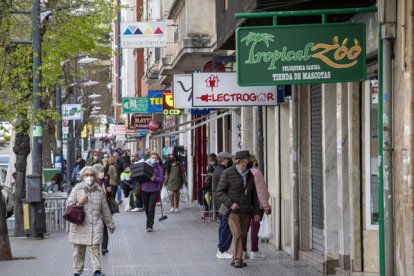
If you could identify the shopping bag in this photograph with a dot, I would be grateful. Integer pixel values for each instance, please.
(265, 232)
(164, 195)
(184, 195)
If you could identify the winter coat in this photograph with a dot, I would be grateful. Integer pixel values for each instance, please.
(113, 175)
(153, 186)
(231, 189)
(175, 178)
(216, 179)
(262, 193)
(90, 232)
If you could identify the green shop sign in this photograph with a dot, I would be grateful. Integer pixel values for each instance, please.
(135, 105)
(295, 54)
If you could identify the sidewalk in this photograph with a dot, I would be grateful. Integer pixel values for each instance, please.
(181, 245)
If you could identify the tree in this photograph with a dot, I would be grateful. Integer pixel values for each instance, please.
(65, 35)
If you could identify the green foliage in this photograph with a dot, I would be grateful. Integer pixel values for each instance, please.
(72, 28)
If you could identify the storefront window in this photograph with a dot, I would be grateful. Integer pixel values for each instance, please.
(371, 153)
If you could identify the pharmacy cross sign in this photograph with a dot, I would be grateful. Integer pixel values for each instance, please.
(299, 54)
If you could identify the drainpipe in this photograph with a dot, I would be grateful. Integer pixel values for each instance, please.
(387, 19)
(294, 124)
(260, 138)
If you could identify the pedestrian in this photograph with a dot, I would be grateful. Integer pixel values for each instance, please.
(174, 180)
(225, 235)
(237, 191)
(263, 197)
(80, 163)
(89, 234)
(135, 201)
(212, 163)
(107, 189)
(150, 190)
(113, 176)
(119, 164)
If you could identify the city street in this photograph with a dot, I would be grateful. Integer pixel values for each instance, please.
(183, 244)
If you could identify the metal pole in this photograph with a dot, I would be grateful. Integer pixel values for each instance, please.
(294, 169)
(305, 12)
(260, 138)
(36, 128)
(380, 159)
(59, 148)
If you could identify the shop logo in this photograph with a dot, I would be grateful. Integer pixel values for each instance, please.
(135, 30)
(334, 55)
(212, 81)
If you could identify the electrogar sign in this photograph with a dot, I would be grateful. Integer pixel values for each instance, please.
(295, 54)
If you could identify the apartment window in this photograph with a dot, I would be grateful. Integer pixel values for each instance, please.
(371, 153)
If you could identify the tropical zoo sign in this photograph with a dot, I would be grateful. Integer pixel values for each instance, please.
(295, 54)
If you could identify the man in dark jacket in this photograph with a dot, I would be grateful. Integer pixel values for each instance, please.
(236, 190)
(225, 236)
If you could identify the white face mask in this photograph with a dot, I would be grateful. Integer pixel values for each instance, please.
(101, 175)
(89, 180)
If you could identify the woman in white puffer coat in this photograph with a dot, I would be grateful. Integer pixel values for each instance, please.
(89, 234)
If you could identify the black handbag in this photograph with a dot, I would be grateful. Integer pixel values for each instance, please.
(113, 206)
(74, 214)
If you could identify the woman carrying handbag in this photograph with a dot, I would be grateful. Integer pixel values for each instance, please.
(89, 234)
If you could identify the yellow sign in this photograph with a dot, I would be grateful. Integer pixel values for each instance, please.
(87, 131)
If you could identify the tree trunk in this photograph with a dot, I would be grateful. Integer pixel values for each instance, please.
(22, 149)
(5, 250)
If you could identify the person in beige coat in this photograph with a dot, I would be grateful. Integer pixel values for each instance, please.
(89, 234)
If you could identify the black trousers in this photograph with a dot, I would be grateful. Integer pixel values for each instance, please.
(149, 199)
(105, 238)
(114, 188)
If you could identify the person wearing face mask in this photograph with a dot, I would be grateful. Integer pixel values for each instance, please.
(225, 235)
(174, 180)
(150, 190)
(89, 234)
(263, 197)
(100, 180)
(237, 191)
(212, 163)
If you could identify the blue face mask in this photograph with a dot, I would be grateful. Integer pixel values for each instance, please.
(154, 161)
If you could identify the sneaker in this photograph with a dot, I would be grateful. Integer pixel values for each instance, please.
(149, 229)
(140, 209)
(171, 210)
(245, 255)
(256, 255)
(223, 255)
(98, 273)
(135, 210)
(176, 210)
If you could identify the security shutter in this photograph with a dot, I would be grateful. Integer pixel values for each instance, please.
(316, 169)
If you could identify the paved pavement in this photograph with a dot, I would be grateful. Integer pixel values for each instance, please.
(181, 245)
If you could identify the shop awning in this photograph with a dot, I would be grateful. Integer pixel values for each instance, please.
(170, 131)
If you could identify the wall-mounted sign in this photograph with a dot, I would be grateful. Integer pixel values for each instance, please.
(140, 122)
(294, 54)
(155, 101)
(168, 104)
(72, 112)
(149, 34)
(221, 90)
(117, 129)
(135, 105)
(183, 91)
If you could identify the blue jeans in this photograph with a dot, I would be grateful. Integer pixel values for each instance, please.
(119, 193)
(225, 236)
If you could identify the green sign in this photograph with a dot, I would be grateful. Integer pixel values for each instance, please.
(135, 105)
(295, 54)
